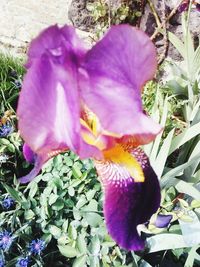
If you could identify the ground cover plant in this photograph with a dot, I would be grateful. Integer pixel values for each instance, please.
(57, 218)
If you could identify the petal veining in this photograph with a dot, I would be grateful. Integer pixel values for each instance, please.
(128, 203)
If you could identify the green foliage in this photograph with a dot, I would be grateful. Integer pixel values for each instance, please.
(106, 13)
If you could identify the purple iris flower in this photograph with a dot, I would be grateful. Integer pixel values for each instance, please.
(89, 101)
(22, 262)
(6, 240)
(5, 129)
(37, 246)
(162, 220)
(8, 202)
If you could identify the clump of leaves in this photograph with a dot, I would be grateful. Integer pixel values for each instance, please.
(106, 13)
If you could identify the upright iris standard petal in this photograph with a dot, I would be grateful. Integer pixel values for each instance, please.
(112, 77)
(128, 203)
(49, 104)
(53, 39)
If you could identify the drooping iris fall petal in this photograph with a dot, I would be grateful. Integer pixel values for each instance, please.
(128, 203)
(112, 77)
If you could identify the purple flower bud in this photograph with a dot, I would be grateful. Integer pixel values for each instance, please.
(37, 246)
(183, 7)
(198, 7)
(162, 221)
(5, 240)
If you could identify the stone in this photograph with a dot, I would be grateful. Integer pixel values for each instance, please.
(148, 24)
(22, 20)
(79, 16)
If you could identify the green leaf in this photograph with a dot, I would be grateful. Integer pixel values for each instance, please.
(65, 226)
(90, 194)
(68, 251)
(52, 198)
(71, 191)
(165, 241)
(177, 43)
(55, 231)
(33, 189)
(167, 178)
(188, 172)
(14, 193)
(76, 171)
(161, 159)
(93, 219)
(186, 188)
(29, 215)
(72, 232)
(184, 137)
(81, 202)
(156, 144)
(58, 205)
(192, 255)
(81, 244)
(95, 245)
(195, 203)
(196, 62)
(190, 229)
(80, 261)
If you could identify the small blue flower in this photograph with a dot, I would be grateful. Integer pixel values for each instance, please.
(2, 262)
(5, 129)
(36, 246)
(22, 262)
(8, 202)
(5, 240)
(18, 83)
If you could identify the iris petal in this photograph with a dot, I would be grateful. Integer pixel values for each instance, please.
(56, 41)
(112, 77)
(49, 107)
(29, 155)
(128, 203)
(39, 161)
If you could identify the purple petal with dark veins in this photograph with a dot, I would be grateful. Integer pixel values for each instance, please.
(128, 203)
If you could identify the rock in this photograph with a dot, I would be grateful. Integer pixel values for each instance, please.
(148, 24)
(22, 20)
(79, 15)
